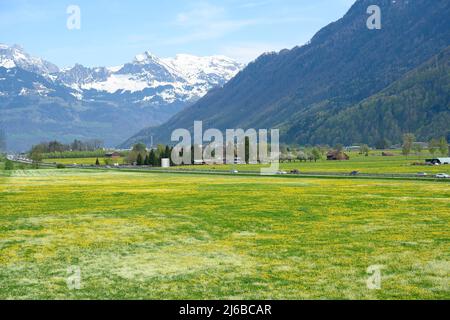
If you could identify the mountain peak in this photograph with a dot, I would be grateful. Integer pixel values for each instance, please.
(15, 56)
(146, 57)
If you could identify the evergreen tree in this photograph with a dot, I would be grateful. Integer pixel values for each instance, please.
(247, 149)
(152, 158)
(146, 161)
(9, 165)
(382, 144)
(97, 163)
(167, 152)
(139, 160)
(170, 157)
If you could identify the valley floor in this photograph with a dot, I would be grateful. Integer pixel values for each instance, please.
(175, 236)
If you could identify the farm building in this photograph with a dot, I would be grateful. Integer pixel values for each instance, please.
(113, 155)
(336, 155)
(388, 154)
(438, 161)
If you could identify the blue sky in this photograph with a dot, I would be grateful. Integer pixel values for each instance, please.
(113, 32)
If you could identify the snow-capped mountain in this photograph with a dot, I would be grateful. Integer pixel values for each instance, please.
(41, 102)
(79, 76)
(213, 70)
(15, 56)
(184, 78)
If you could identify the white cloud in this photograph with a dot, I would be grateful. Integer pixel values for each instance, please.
(206, 22)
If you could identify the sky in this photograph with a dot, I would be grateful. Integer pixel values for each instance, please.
(112, 32)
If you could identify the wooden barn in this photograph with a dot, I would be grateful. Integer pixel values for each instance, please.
(337, 156)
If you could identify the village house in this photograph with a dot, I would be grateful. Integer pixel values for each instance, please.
(112, 155)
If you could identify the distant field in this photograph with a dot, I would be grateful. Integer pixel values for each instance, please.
(374, 163)
(84, 161)
(164, 236)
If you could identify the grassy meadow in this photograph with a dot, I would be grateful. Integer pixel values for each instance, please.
(374, 163)
(172, 236)
(84, 161)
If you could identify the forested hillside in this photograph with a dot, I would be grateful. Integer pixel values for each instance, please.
(306, 91)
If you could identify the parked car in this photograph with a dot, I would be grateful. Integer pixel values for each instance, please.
(234, 171)
(422, 174)
(295, 171)
(281, 172)
(354, 173)
(442, 176)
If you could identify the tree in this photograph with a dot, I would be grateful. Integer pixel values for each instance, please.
(339, 147)
(408, 140)
(146, 163)
(139, 160)
(443, 146)
(316, 154)
(417, 147)
(382, 144)
(9, 165)
(365, 150)
(433, 146)
(167, 152)
(152, 158)
(36, 156)
(247, 149)
(301, 156)
(97, 163)
(139, 147)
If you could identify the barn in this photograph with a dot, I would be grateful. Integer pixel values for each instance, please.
(336, 155)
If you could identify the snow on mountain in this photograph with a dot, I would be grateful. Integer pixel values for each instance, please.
(41, 102)
(214, 69)
(15, 56)
(147, 78)
(182, 78)
(80, 75)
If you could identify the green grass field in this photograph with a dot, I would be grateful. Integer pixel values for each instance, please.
(172, 236)
(83, 161)
(374, 163)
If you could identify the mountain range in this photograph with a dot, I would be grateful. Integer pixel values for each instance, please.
(39, 101)
(349, 84)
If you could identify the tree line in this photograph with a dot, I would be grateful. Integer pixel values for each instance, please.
(435, 146)
(59, 147)
(141, 157)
